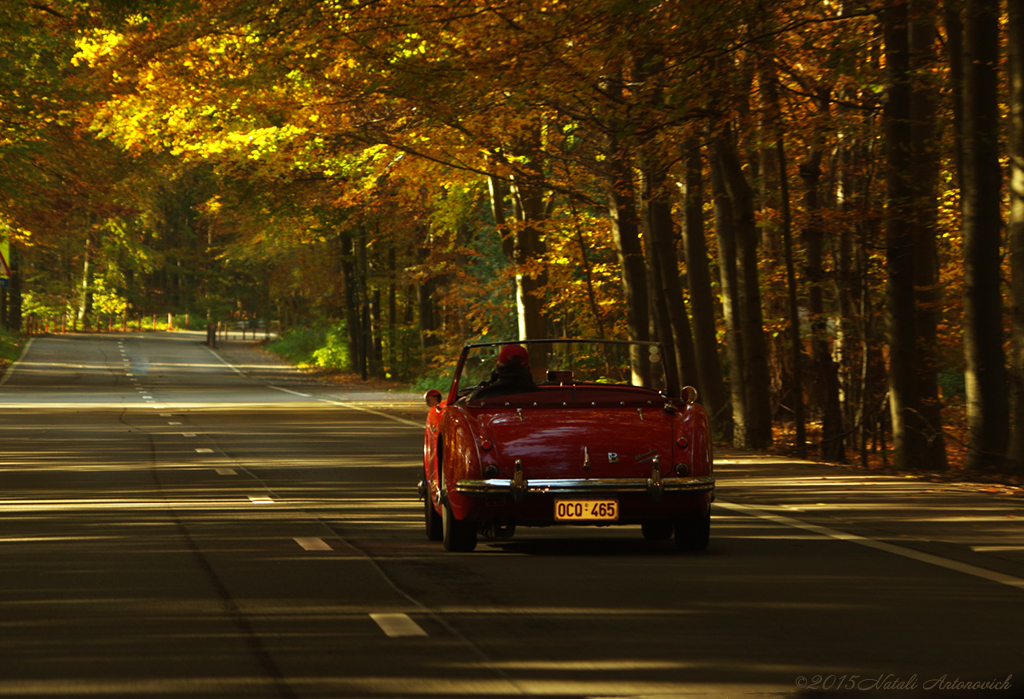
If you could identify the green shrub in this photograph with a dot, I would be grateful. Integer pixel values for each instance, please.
(333, 354)
(952, 383)
(438, 377)
(323, 346)
(10, 345)
(297, 345)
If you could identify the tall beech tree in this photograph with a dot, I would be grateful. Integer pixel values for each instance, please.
(710, 380)
(987, 399)
(924, 173)
(757, 433)
(1015, 51)
(910, 431)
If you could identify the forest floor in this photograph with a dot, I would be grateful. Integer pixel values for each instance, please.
(250, 354)
(879, 456)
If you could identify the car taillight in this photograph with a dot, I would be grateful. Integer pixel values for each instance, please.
(682, 442)
(485, 445)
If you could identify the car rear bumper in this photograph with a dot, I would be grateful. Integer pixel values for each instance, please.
(493, 487)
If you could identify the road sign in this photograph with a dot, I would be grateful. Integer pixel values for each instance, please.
(5, 258)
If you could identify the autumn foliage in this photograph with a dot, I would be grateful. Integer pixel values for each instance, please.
(790, 195)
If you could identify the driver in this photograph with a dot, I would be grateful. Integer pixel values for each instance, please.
(511, 375)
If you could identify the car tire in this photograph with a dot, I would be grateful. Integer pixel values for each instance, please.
(456, 534)
(693, 534)
(435, 530)
(657, 530)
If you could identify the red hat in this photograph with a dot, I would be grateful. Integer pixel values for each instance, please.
(514, 354)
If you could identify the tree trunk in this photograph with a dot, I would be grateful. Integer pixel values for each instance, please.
(588, 276)
(661, 326)
(954, 26)
(796, 343)
(757, 421)
(626, 235)
(1015, 48)
(665, 262)
(14, 315)
(908, 434)
(363, 294)
(85, 302)
(726, 232)
(521, 238)
(353, 319)
(772, 246)
(715, 396)
(987, 402)
(924, 181)
(826, 370)
(529, 208)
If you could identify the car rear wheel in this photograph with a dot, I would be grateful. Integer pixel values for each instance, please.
(457, 534)
(432, 520)
(693, 534)
(656, 530)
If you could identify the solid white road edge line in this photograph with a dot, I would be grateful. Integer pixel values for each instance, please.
(397, 625)
(402, 420)
(880, 545)
(342, 404)
(224, 361)
(16, 362)
(294, 393)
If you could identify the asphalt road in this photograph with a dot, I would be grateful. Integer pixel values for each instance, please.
(176, 522)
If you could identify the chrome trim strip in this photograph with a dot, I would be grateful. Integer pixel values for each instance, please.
(584, 486)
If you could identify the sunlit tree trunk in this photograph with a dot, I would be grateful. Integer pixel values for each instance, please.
(625, 220)
(757, 420)
(987, 401)
(528, 198)
(85, 300)
(658, 227)
(710, 382)
(726, 233)
(826, 370)
(523, 189)
(626, 236)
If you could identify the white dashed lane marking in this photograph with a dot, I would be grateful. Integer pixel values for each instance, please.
(312, 543)
(398, 625)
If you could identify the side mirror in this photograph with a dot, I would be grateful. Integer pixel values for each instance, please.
(432, 398)
(688, 394)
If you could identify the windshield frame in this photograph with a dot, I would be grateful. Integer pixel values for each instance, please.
(652, 348)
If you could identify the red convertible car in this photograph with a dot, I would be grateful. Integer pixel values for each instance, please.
(560, 432)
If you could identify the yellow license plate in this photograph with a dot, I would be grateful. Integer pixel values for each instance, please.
(586, 510)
